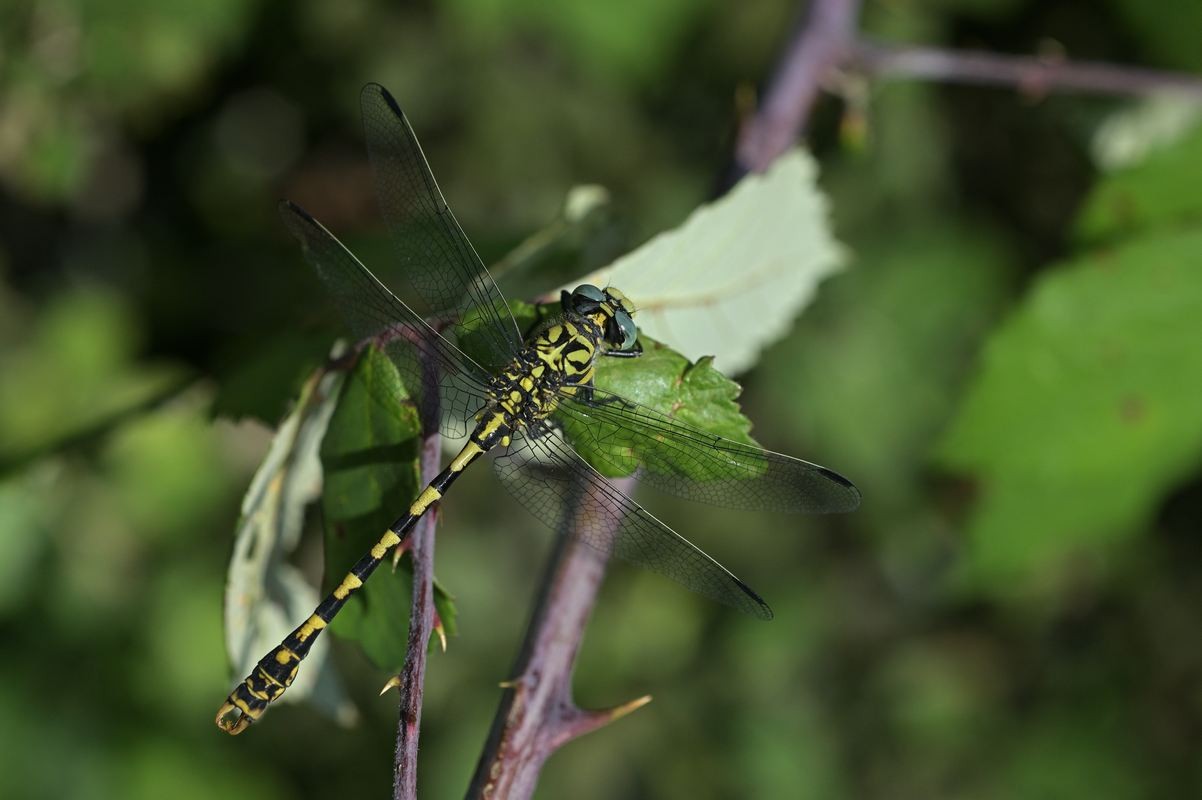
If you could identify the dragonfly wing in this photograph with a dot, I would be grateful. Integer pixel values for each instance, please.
(679, 459)
(435, 255)
(561, 489)
(371, 311)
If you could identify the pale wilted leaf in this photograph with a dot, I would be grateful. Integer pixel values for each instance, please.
(1129, 136)
(264, 596)
(731, 279)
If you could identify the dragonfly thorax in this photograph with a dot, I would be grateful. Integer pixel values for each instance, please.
(556, 360)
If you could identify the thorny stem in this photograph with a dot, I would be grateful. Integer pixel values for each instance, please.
(410, 682)
(537, 714)
(411, 679)
(829, 45)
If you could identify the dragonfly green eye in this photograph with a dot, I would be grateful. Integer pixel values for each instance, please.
(630, 331)
(589, 292)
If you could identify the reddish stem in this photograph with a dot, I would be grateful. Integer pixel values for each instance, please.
(829, 43)
(818, 48)
(537, 714)
(1026, 73)
(420, 545)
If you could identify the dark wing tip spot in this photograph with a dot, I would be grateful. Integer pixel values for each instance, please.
(850, 497)
(372, 90)
(288, 207)
(757, 608)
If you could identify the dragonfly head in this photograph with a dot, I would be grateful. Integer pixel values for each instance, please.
(610, 308)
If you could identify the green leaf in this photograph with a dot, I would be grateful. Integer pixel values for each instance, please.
(1160, 191)
(370, 454)
(444, 606)
(265, 597)
(696, 394)
(1086, 409)
(731, 279)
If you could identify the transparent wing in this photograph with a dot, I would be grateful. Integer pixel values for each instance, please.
(371, 311)
(681, 460)
(435, 255)
(558, 487)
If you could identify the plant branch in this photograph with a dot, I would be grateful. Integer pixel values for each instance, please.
(411, 680)
(818, 48)
(1034, 75)
(828, 45)
(537, 715)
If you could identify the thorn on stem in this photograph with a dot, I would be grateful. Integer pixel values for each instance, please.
(617, 712)
(393, 683)
(441, 631)
(581, 722)
(399, 552)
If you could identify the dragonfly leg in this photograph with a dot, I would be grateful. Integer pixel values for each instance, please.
(587, 394)
(633, 352)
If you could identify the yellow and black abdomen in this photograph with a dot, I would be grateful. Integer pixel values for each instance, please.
(276, 671)
(556, 360)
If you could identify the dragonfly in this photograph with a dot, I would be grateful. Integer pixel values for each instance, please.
(514, 395)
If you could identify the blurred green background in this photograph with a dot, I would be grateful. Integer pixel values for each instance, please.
(1009, 370)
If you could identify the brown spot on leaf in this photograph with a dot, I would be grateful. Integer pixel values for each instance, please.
(1132, 409)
